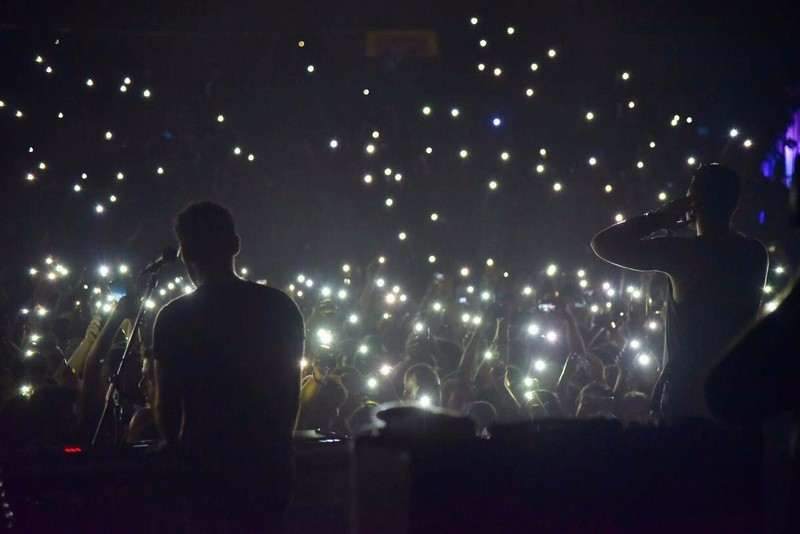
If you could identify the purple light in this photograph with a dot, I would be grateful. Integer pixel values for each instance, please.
(762, 217)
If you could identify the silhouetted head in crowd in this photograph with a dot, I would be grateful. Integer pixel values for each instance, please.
(422, 381)
(456, 393)
(715, 190)
(208, 241)
(634, 406)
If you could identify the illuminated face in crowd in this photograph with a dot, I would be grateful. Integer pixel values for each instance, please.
(410, 387)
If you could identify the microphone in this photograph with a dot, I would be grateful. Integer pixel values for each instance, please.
(168, 255)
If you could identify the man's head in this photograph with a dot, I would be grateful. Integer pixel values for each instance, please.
(715, 190)
(207, 236)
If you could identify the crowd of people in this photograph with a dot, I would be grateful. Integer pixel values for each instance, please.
(224, 375)
(496, 348)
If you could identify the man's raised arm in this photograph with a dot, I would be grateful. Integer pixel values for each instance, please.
(624, 244)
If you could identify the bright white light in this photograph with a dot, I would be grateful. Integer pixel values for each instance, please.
(250, 157)
(486, 295)
(380, 282)
(608, 188)
(126, 81)
(104, 270)
(434, 216)
(372, 382)
(497, 121)
(89, 83)
(426, 110)
(640, 165)
(594, 308)
(160, 170)
(325, 337)
(419, 327)
(652, 325)
(768, 289)
(691, 161)
(473, 21)
(387, 171)
(652, 144)
(734, 132)
(552, 269)
(635, 344)
(589, 116)
(425, 401)
(551, 53)
(489, 262)
(527, 291)
(540, 168)
(497, 71)
(428, 150)
(30, 177)
(334, 143)
(463, 153)
(120, 176)
(529, 92)
(123, 89)
(780, 269)
(504, 156)
(483, 43)
(389, 202)
(625, 76)
(481, 67)
(540, 365)
(644, 359)
(149, 304)
(464, 271)
(112, 198)
(492, 185)
(631, 104)
(488, 355)
(510, 30)
(99, 208)
(342, 294)
(454, 112)
(551, 336)
(437, 306)
(303, 363)
(431, 259)
(557, 187)
(747, 143)
(391, 298)
(366, 92)
(310, 69)
(592, 161)
(146, 93)
(368, 179)
(402, 236)
(583, 284)
(533, 329)
(534, 67)
(619, 217)
(771, 306)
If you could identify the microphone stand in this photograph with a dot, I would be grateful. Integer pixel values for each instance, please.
(112, 394)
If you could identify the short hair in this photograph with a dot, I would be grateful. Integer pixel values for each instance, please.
(716, 191)
(206, 226)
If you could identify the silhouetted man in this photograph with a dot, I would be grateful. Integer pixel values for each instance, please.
(716, 281)
(227, 382)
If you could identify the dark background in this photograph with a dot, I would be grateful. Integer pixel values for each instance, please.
(302, 205)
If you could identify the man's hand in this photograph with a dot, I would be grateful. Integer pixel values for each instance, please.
(674, 214)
